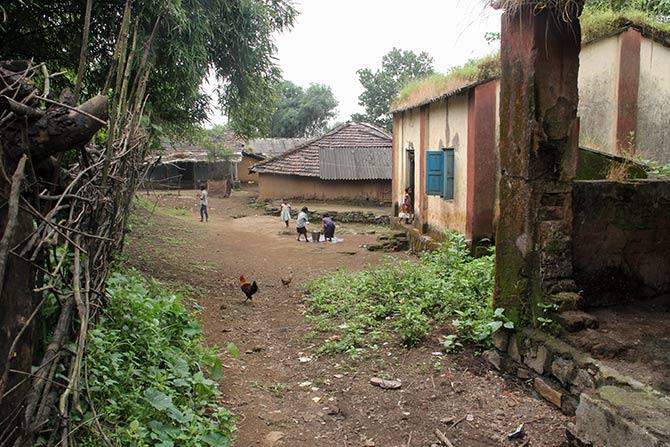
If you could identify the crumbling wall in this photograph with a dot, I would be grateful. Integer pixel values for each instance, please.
(621, 234)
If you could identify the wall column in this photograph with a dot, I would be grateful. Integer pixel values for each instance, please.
(481, 162)
(539, 133)
(422, 208)
(628, 81)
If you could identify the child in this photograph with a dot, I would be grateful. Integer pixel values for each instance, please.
(285, 212)
(204, 215)
(328, 227)
(301, 224)
(406, 208)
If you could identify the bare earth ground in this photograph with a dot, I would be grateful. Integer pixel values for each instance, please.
(267, 385)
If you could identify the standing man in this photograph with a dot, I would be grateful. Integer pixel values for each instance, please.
(204, 215)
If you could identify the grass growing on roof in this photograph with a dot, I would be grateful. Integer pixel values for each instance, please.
(438, 84)
(407, 297)
(598, 23)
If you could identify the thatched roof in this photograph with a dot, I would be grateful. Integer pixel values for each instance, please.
(596, 25)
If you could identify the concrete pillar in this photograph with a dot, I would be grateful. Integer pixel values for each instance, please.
(539, 133)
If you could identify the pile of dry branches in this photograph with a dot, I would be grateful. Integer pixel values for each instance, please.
(63, 211)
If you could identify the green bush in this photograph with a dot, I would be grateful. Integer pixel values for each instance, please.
(407, 297)
(147, 372)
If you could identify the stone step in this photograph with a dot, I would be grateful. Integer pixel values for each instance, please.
(621, 416)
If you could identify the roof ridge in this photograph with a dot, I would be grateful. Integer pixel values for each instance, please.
(367, 129)
(304, 144)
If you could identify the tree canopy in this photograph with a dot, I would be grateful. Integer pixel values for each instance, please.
(302, 112)
(382, 86)
(231, 39)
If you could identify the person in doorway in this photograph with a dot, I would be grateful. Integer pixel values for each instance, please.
(285, 212)
(406, 208)
(328, 227)
(301, 224)
(204, 215)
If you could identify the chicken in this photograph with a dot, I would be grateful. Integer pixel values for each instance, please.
(287, 281)
(249, 288)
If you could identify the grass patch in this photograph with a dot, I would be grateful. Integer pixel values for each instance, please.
(151, 378)
(437, 84)
(657, 170)
(407, 298)
(598, 23)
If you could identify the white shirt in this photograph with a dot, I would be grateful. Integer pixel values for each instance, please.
(203, 197)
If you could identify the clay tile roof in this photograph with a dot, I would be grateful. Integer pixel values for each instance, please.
(304, 159)
(271, 147)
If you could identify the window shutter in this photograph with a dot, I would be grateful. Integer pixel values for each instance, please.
(435, 173)
(449, 174)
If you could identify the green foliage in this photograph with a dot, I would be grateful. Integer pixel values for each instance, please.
(597, 23)
(302, 112)
(659, 8)
(147, 372)
(382, 86)
(230, 39)
(657, 170)
(407, 297)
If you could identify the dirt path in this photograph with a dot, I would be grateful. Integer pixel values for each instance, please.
(327, 401)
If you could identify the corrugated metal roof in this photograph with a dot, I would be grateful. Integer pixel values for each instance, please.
(356, 163)
(304, 159)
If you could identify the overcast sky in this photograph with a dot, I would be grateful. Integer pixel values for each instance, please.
(333, 39)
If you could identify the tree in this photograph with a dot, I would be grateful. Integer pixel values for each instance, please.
(302, 112)
(382, 86)
(233, 39)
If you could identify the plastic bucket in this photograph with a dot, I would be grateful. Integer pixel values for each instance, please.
(316, 235)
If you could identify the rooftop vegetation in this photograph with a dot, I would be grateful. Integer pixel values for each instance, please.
(596, 23)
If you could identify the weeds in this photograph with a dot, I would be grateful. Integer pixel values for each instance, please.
(408, 298)
(148, 372)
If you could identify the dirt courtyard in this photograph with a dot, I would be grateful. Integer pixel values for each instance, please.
(280, 391)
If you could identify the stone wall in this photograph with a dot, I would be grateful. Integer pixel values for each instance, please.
(611, 408)
(621, 236)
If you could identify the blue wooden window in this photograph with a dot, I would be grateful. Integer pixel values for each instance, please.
(435, 173)
(449, 174)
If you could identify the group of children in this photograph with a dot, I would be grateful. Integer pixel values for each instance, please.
(285, 214)
(302, 221)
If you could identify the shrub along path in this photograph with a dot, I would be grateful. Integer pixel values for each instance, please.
(282, 392)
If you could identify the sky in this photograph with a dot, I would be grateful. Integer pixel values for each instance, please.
(330, 40)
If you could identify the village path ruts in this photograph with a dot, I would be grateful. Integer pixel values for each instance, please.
(267, 385)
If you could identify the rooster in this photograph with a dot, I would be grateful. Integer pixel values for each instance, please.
(249, 288)
(287, 281)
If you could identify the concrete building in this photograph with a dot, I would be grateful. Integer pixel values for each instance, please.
(351, 162)
(624, 93)
(445, 143)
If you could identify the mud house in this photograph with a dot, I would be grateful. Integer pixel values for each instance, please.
(186, 166)
(445, 130)
(261, 149)
(351, 162)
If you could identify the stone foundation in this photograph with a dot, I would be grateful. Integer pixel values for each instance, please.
(611, 409)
